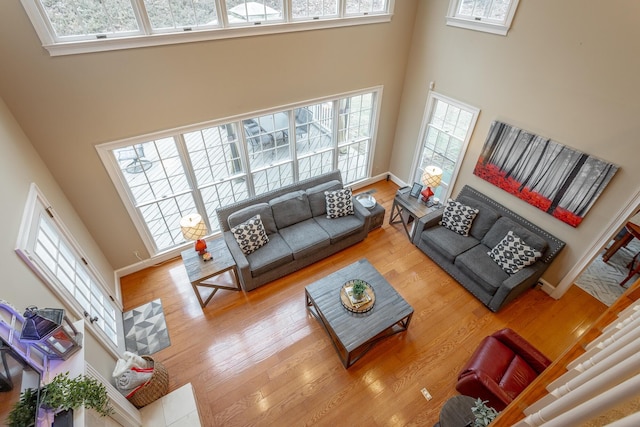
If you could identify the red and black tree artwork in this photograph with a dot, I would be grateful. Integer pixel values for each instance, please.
(557, 179)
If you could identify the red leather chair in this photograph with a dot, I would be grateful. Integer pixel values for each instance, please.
(502, 366)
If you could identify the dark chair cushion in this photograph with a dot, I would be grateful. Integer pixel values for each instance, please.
(317, 199)
(272, 255)
(447, 242)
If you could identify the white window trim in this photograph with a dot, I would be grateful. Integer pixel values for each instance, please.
(57, 48)
(35, 198)
(428, 111)
(479, 25)
(111, 163)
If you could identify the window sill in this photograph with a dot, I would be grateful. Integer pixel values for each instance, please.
(103, 45)
(477, 26)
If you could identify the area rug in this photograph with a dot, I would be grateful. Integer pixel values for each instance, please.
(145, 329)
(602, 279)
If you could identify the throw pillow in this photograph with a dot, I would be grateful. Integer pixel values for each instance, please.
(250, 235)
(339, 202)
(458, 217)
(512, 254)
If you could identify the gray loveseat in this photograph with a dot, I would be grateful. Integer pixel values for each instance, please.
(297, 226)
(465, 258)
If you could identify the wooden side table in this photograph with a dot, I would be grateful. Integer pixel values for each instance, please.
(202, 272)
(407, 209)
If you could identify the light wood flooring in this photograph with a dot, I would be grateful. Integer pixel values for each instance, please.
(259, 358)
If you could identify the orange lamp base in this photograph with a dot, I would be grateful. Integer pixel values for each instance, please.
(201, 246)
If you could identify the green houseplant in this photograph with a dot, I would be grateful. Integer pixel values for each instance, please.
(358, 289)
(61, 394)
(484, 414)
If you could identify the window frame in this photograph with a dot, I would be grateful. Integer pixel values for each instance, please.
(479, 24)
(110, 161)
(146, 37)
(35, 206)
(424, 128)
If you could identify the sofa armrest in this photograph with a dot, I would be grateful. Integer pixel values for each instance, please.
(479, 385)
(516, 284)
(429, 220)
(242, 264)
(362, 213)
(523, 348)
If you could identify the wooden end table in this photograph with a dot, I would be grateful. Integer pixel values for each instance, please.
(406, 209)
(456, 412)
(202, 272)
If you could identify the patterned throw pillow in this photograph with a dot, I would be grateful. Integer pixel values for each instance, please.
(512, 254)
(250, 235)
(458, 217)
(339, 203)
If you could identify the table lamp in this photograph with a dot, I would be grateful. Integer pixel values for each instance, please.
(431, 178)
(194, 228)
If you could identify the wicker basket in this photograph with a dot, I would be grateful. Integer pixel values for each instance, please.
(155, 388)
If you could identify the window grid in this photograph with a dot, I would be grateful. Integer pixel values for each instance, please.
(65, 26)
(230, 162)
(68, 268)
(447, 130)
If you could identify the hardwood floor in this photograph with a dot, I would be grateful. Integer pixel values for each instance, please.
(259, 358)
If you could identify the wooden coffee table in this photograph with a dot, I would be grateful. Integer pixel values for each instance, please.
(355, 334)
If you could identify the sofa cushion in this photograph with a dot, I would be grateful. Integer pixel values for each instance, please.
(512, 254)
(339, 202)
(485, 218)
(447, 242)
(317, 199)
(517, 377)
(476, 264)
(250, 235)
(503, 225)
(262, 209)
(338, 229)
(270, 256)
(304, 238)
(458, 217)
(290, 208)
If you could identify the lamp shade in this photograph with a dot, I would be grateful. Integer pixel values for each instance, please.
(193, 227)
(432, 176)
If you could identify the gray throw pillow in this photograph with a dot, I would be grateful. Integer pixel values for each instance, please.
(250, 235)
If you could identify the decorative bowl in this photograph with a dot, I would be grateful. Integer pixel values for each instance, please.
(367, 200)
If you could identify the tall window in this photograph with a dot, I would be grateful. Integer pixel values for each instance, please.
(48, 248)
(492, 16)
(446, 131)
(161, 180)
(78, 26)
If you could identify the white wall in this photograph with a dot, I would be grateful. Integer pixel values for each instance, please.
(567, 70)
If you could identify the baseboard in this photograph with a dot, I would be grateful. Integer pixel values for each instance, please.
(546, 286)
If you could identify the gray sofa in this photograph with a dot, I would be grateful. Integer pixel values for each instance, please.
(297, 226)
(465, 258)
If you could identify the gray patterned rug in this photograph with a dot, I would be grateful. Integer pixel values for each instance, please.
(602, 280)
(145, 329)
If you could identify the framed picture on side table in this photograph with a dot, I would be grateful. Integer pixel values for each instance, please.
(415, 190)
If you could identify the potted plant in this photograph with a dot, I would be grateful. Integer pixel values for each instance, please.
(358, 289)
(61, 394)
(484, 414)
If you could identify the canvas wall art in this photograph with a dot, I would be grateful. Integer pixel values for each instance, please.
(557, 179)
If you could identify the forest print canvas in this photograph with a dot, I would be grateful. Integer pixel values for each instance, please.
(557, 179)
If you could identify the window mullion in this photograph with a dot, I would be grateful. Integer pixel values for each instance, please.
(181, 145)
(223, 19)
(142, 16)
